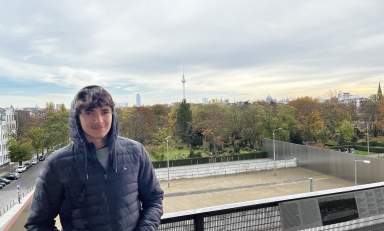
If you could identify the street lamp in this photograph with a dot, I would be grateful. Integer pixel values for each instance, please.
(168, 162)
(364, 161)
(367, 140)
(274, 153)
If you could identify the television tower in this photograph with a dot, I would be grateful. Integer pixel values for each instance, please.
(183, 81)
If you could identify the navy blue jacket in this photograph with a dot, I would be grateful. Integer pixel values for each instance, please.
(74, 185)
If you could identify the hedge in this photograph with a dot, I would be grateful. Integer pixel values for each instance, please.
(206, 160)
(376, 149)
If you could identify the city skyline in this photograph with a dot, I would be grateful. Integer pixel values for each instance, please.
(238, 51)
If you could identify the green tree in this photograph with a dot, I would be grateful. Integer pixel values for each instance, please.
(323, 135)
(160, 143)
(347, 130)
(36, 135)
(183, 117)
(56, 129)
(49, 106)
(251, 125)
(286, 121)
(192, 138)
(341, 139)
(19, 152)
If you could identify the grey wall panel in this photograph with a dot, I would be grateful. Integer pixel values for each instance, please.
(334, 163)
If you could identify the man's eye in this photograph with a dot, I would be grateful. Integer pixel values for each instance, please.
(88, 113)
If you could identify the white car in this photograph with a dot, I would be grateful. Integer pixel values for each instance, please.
(34, 162)
(21, 168)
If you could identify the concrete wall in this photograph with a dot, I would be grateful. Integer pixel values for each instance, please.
(334, 163)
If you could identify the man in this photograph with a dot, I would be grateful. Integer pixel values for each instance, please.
(99, 182)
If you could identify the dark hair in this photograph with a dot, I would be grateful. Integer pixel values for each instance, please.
(92, 97)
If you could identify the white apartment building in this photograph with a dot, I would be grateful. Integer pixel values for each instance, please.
(8, 125)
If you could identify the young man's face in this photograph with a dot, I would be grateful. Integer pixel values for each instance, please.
(96, 123)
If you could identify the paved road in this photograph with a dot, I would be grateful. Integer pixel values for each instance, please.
(27, 180)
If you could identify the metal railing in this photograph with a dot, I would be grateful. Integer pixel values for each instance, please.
(7, 205)
(262, 215)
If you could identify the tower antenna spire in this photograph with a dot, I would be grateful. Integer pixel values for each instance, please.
(183, 81)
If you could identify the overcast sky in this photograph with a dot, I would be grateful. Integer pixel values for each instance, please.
(236, 50)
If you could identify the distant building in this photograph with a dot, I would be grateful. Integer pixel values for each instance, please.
(205, 100)
(138, 100)
(58, 106)
(270, 99)
(123, 105)
(346, 97)
(8, 124)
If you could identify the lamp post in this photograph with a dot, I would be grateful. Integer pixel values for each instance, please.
(168, 162)
(274, 153)
(367, 139)
(364, 161)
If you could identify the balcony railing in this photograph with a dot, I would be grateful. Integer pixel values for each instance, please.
(266, 214)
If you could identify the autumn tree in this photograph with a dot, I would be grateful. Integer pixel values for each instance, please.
(308, 116)
(139, 124)
(333, 114)
(213, 124)
(250, 123)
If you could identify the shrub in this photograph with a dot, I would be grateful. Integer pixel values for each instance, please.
(236, 149)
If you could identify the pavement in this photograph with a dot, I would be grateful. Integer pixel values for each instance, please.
(10, 207)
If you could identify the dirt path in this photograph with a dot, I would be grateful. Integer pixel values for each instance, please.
(185, 194)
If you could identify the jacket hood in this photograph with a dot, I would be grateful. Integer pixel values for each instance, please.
(78, 138)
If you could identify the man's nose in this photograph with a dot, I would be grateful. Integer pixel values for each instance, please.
(98, 118)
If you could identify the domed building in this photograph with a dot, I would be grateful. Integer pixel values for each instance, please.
(269, 98)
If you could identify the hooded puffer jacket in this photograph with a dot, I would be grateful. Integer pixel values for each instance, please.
(74, 185)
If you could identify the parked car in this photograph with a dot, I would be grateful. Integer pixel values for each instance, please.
(27, 164)
(3, 184)
(21, 168)
(5, 180)
(13, 176)
(1, 187)
(34, 162)
(42, 158)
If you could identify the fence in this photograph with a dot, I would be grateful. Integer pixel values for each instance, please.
(221, 169)
(207, 160)
(7, 204)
